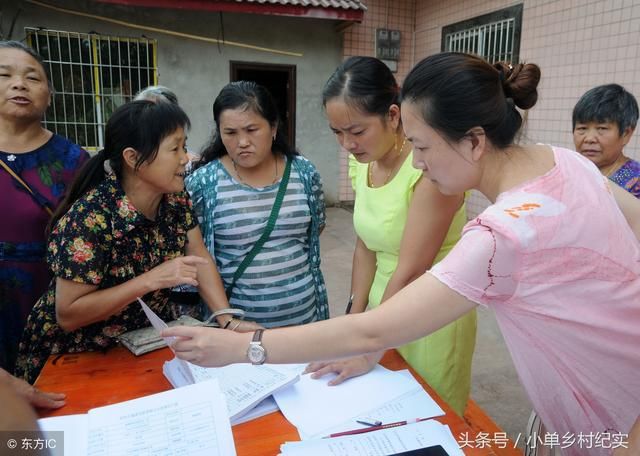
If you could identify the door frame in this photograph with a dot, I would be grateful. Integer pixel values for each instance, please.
(235, 66)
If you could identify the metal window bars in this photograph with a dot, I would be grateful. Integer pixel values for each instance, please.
(92, 75)
(493, 41)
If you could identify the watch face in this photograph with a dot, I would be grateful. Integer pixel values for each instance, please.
(256, 354)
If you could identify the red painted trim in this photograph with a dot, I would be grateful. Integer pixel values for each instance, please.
(234, 7)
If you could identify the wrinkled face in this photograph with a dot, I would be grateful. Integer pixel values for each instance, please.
(600, 142)
(24, 91)
(166, 172)
(367, 137)
(449, 166)
(247, 136)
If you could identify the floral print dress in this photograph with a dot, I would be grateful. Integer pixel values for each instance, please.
(103, 240)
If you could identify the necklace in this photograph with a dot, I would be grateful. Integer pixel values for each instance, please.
(391, 170)
(235, 168)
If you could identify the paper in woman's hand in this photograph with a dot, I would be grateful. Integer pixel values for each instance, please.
(156, 322)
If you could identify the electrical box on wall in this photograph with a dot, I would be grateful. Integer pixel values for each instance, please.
(388, 47)
(387, 44)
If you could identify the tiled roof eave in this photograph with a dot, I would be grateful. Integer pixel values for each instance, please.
(347, 10)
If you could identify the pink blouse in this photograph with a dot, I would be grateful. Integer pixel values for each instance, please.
(558, 263)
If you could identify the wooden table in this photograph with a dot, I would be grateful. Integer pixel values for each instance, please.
(96, 379)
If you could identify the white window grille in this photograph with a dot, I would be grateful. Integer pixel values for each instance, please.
(494, 36)
(92, 75)
(493, 42)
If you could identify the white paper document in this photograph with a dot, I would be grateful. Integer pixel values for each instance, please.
(411, 405)
(243, 385)
(314, 407)
(265, 407)
(190, 420)
(157, 322)
(75, 428)
(379, 443)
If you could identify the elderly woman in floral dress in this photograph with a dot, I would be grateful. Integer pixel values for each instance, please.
(121, 236)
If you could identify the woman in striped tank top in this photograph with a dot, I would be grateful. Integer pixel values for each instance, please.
(234, 190)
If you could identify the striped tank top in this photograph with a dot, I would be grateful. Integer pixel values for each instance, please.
(277, 288)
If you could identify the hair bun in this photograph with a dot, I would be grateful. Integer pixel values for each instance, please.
(520, 82)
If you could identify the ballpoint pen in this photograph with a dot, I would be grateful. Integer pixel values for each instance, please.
(370, 422)
(349, 304)
(375, 428)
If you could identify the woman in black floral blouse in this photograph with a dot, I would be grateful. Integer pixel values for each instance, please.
(127, 234)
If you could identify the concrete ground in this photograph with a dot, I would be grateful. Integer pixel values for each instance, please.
(495, 385)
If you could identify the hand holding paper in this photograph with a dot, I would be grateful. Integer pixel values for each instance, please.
(208, 347)
(156, 322)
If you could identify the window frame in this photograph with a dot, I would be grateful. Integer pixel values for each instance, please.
(86, 111)
(513, 12)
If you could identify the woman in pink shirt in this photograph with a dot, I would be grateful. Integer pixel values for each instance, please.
(556, 256)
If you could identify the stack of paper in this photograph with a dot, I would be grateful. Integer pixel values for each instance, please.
(191, 420)
(318, 410)
(244, 386)
(392, 441)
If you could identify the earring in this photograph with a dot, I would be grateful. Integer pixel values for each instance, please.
(399, 151)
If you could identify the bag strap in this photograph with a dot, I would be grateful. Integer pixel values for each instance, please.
(26, 186)
(271, 223)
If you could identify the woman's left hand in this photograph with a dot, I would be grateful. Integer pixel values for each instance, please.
(208, 347)
(344, 368)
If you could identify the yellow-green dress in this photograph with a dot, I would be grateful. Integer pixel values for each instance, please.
(443, 358)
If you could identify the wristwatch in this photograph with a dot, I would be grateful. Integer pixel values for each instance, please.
(256, 351)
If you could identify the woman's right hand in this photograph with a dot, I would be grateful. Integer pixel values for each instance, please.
(208, 347)
(178, 271)
(345, 368)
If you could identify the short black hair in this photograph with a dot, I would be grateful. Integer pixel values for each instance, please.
(607, 103)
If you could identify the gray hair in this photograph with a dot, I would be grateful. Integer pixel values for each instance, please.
(26, 49)
(157, 93)
(607, 103)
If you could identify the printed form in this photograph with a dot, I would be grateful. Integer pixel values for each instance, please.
(314, 407)
(411, 405)
(191, 420)
(243, 385)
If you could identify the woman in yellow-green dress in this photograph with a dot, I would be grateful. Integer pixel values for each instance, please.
(403, 224)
